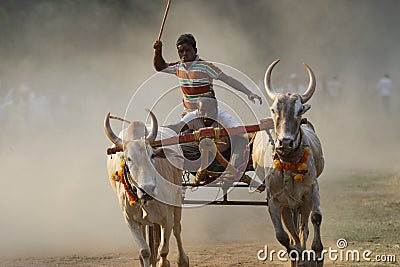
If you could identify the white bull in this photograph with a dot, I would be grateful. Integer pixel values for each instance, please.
(290, 159)
(158, 185)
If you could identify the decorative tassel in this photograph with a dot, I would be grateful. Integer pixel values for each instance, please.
(298, 178)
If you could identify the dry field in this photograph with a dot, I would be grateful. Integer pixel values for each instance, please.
(360, 206)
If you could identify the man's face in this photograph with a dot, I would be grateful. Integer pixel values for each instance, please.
(208, 111)
(186, 52)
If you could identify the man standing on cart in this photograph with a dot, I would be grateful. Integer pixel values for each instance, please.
(195, 75)
(208, 114)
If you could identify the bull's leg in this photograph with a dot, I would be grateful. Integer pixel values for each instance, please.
(144, 249)
(287, 218)
(143, 230)
(305, 211)
(164, 245)
(157, 236)
(316, 219)
(183, 259)
(294, 250)
(275, 214)
(154, 242)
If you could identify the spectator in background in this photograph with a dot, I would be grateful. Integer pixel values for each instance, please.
(333, 89)
(294, 86)
(6, 104)
(384, 87)
(1, 103)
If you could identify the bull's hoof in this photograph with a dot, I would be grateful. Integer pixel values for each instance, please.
(306, 264)
(310, 263)
(163, 263)
(183, 261)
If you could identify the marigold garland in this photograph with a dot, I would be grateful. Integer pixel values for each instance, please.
(132, 199)
(300, 166)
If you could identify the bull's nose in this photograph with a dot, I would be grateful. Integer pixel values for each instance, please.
(286, 143)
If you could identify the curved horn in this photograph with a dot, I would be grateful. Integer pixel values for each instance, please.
(110, 134)
(311, 86)
(267, 81)
(154, 126)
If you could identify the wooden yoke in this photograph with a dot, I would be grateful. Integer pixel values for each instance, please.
(209, 132)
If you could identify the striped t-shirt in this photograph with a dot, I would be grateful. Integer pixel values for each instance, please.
(195, 80)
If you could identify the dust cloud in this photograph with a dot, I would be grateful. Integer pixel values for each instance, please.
(65, 64)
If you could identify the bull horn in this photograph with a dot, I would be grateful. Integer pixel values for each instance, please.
(154, 127)
(267, 81)
(110, 134)
(311, 86)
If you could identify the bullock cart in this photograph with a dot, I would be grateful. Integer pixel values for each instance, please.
(224, 181)
(208, 139)
(211, 179)
(285, 152)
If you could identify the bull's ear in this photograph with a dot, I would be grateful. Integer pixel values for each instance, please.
(305, 108)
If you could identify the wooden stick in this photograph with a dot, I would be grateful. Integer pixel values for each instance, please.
(163, 22)
(118, 118)
(207, 132)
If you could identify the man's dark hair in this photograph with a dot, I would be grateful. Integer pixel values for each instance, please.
(186, 38)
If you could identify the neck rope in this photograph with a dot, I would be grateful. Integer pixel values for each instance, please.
(286, 163)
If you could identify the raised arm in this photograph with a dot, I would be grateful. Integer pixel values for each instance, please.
(158, 60)
(235, 84)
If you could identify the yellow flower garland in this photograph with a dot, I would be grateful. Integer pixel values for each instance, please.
(132, 199)
(300, 166)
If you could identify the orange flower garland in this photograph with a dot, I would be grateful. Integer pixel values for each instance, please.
(132, 199)
(300, 166)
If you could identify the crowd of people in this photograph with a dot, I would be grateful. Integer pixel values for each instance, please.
(25, 104)
(23, 107)
(334, 91)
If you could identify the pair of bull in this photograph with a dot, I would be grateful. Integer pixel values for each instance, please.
(289, 164)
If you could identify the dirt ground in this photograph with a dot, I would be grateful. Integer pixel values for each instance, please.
(362, 207)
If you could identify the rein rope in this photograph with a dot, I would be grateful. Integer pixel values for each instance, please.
(124, 178)
(297, 152)
(246, 153)
(299, 167)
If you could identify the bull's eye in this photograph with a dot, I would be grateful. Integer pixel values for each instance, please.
(129, 159)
